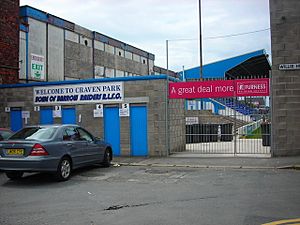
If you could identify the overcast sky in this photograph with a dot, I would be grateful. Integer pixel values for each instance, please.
(147, 24)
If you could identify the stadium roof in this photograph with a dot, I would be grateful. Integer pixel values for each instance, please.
(250, 65)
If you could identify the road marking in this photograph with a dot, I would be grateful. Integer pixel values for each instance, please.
(285, 222)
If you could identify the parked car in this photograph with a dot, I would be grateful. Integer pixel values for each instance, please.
(5, 133)
(52, 148)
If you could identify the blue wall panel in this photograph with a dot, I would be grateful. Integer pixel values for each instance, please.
(68, 116)
(46, 116)
(138, 131)
(112, 128)
(16, 122)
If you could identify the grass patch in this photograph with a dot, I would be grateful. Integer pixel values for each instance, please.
(256, 134)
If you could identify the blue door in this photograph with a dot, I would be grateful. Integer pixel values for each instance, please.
(112, 128)
(16, 122)
(68, 116)
(46, 116)
(138, 131)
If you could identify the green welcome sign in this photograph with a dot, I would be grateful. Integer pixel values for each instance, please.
(37, 67)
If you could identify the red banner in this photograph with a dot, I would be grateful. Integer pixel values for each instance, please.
(220, 88)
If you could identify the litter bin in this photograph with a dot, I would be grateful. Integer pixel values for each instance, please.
(226, 132)
(266, 134)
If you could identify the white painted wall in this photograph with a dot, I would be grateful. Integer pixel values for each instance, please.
(22, 55)
(71, 36)
(55, 53)
(37, 42)
(110, 49)
(99, 45)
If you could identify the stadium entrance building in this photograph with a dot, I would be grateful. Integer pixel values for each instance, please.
(130, 113)
(135, 115)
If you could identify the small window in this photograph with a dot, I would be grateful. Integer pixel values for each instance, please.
(84, 135)
(71, 134)
(144, 61)
(120, 54)
(86, 42)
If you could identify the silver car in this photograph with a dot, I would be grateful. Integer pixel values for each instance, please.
(52, 148)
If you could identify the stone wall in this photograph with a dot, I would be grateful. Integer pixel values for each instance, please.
(285, 23)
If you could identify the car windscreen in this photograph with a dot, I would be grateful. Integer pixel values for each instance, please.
(37, 133)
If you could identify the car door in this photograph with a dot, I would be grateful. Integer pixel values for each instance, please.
(93, 148)
(76, 146)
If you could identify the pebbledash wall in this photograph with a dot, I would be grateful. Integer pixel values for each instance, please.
(142, 133)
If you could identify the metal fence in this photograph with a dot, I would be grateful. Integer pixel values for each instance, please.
(228, 131)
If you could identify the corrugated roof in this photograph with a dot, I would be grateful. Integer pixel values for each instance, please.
(220, 68)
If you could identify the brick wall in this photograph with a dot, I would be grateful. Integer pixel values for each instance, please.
(285, 36)
(9, 41)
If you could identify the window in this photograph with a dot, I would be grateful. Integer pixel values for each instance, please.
(84, 135)
(37, 133)
(71, 134)
(5, 134)
(144, 60)
(119, 52)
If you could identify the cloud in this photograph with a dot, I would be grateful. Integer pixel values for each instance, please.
(147, 24)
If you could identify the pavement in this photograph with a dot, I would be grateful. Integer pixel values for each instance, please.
(194, 161)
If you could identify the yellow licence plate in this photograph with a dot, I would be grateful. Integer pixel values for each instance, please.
(15, 151)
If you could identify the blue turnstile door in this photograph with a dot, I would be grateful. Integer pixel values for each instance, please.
(46, 116)
(112, 128)
(16, 122)
(138, 131)
(68, 116)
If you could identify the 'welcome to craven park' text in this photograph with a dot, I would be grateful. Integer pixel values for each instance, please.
(84, 93)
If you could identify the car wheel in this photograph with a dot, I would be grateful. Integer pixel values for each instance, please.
(14, 175)
(106, 158)
(64, 169)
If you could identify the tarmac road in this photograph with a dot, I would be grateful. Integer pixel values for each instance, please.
(137, 195)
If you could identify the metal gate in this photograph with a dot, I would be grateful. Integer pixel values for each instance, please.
(228, 127)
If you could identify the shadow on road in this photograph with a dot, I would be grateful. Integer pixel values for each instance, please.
(40, 179)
